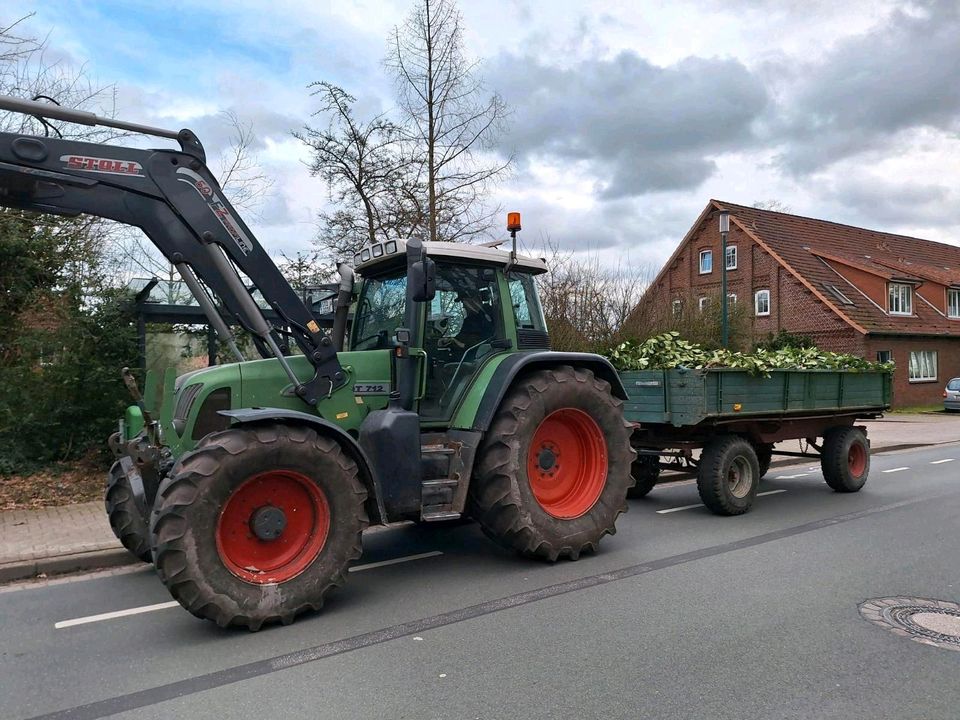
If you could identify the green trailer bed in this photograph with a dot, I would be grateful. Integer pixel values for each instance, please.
(683, 397)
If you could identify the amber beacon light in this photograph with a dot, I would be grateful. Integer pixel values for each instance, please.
(513, 222)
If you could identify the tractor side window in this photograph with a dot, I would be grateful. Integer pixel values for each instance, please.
(526, 305)
(380, 311)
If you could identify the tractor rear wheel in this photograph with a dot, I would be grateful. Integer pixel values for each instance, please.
(127, 521)
(554, 469)
(646, 471)
(258, 524)
(845, 459)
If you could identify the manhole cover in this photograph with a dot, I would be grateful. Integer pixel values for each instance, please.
(931, 622)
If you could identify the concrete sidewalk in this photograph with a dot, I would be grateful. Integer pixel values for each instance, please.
(77, 537)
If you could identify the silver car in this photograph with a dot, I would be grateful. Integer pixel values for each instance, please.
(951, 395)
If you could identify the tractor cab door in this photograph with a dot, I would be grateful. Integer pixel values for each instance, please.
(464, 326)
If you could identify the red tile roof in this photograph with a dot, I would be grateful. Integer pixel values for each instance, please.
(811, 249)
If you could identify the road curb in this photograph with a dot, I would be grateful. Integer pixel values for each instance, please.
(66, 563)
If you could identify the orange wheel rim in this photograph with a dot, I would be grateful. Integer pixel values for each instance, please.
(567, 463)
(272, 527)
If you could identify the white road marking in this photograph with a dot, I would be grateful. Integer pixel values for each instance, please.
(896, 469)
(940, 462)
(690, 507)
(791, 477)
(115, 614)
(408, 558)
(173, 603)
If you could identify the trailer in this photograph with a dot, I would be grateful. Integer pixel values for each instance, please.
(735, 419)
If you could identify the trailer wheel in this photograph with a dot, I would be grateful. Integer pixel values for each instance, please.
(258, 524)
(554, 468)
(126, 520)
(845, 459)
(728, 475)
(764, 456)
(646, 471)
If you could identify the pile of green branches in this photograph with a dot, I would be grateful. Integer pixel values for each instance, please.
(667, 351)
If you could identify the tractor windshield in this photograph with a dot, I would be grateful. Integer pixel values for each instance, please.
(379, 312)
(526, 304)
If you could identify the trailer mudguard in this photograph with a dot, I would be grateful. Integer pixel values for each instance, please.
(517, 363)
(245, 416)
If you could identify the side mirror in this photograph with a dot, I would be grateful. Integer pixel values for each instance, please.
(423, 280)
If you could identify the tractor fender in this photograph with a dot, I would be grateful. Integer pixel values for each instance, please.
(246, 416)
(521, 362)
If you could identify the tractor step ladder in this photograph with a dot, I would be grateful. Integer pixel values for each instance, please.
(437, 494)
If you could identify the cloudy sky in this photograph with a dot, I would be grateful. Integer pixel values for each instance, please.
(626, 116)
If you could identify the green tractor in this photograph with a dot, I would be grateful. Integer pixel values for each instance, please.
(249, 485)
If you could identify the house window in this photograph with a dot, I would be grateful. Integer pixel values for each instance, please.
(923, 365)
(703, 302)
(953, 303)
(900, 299)
(761, 302)
(884, 356)
(731, 298)
(677, 308)
(731, 257)
(706, 261)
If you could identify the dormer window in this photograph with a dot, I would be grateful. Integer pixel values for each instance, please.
(900, 299)
(953, 303)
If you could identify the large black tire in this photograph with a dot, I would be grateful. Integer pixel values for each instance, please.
(764, 456)
(503, 498)
(845, 459)
(195, 534)
(126, 520)
(728, 475)
(646, 472)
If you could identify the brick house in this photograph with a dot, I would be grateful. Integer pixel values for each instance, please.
(874, 294)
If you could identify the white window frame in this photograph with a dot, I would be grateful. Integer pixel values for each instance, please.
(677, 306)
(899, 299)
(756, 303)
(726, 258)
(703, 302)
(953, 303)
(923, 366)
(884, 356)
(703, 254)
(731, 298)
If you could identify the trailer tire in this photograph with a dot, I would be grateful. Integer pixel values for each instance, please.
(728, 476)
(764, 457)
(554, 469)
(123, 513)
(646, 471)
(845, 459)
(258, 524)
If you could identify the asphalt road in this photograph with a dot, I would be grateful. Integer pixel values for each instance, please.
(680, 615)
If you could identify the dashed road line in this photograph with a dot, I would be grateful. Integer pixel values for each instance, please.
(893, 470)
(115, 614)
(940, 462)
(696, 505)
(173, 603)
(395, 561)
(791, 477)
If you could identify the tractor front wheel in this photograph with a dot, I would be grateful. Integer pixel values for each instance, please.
(554, 469)
(258, 524)
(126, 520)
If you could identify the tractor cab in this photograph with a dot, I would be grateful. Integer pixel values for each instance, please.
(484, 302)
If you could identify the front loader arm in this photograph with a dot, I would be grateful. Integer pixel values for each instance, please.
(173, 197)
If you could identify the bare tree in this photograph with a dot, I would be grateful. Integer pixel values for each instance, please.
(772, 204)
(361, 163)
(449, 120)
(587, 305)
